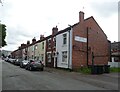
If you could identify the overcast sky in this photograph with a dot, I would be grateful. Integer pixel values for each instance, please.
(26, 19)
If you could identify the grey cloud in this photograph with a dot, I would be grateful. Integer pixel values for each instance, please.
(11, 43)
(105, 9)
(17, 36)
(5, 10)
(18, 32)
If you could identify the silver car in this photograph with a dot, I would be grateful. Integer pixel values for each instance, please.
(23, 63)
(11, 60)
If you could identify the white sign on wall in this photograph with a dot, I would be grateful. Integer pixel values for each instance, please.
(80, 39)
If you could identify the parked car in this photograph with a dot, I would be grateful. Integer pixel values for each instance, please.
(34, 65)
(11, 60)
(17, 61)
(6, 59)
(23, 63)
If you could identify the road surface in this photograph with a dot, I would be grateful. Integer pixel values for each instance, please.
(16, 78)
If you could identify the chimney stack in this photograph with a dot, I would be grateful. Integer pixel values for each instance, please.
(54, 30)
(81, 16)
(41, 37)
(19, 47)
(28, 42)
(34, 40)
(23, 45)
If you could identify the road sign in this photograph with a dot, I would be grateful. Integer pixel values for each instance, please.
(80, 39)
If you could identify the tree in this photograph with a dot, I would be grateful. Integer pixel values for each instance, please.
(2, 35)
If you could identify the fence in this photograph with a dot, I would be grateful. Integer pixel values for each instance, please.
(114, 64)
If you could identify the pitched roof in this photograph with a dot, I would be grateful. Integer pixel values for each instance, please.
(59, 32)
(96, 23)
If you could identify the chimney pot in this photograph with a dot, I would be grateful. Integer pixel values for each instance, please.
(34, 40)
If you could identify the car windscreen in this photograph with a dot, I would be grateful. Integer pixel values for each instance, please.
(25, 61)
(37, 61)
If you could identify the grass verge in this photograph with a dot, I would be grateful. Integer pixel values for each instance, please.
(84, 70)
(114, 69)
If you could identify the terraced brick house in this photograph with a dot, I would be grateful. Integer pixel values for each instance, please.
(79, 45)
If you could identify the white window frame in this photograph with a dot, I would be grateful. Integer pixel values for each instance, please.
(64, 38)
(36, 47)
(54, 40)
(64, 56)
(49, 57)
(49, 43)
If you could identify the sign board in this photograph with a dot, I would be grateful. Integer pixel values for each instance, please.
(80, 39)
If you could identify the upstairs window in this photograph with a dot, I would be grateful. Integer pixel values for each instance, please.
(42, 45)
(54, 40)
(64, 39)
(35, 47)
(49, 43)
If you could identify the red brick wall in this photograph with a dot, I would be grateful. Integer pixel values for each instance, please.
(97, 42)
(79, 49)
(51, 49)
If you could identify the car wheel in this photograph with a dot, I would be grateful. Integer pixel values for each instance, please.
(30, 68)
(41, 69)
(20, 66)
(26, 68)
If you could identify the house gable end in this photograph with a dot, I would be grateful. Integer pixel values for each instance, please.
(95, 22)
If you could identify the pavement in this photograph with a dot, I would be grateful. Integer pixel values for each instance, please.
(108, 81)
(16, 78)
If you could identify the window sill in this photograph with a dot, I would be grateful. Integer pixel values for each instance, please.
(64, 63)
(64, 45)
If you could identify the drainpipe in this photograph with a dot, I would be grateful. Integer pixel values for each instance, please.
(69, 48)
(87, 46)
(69, 51)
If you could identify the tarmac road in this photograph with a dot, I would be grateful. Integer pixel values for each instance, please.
(15, 78)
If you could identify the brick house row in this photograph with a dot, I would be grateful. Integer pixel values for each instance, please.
(78, 45)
